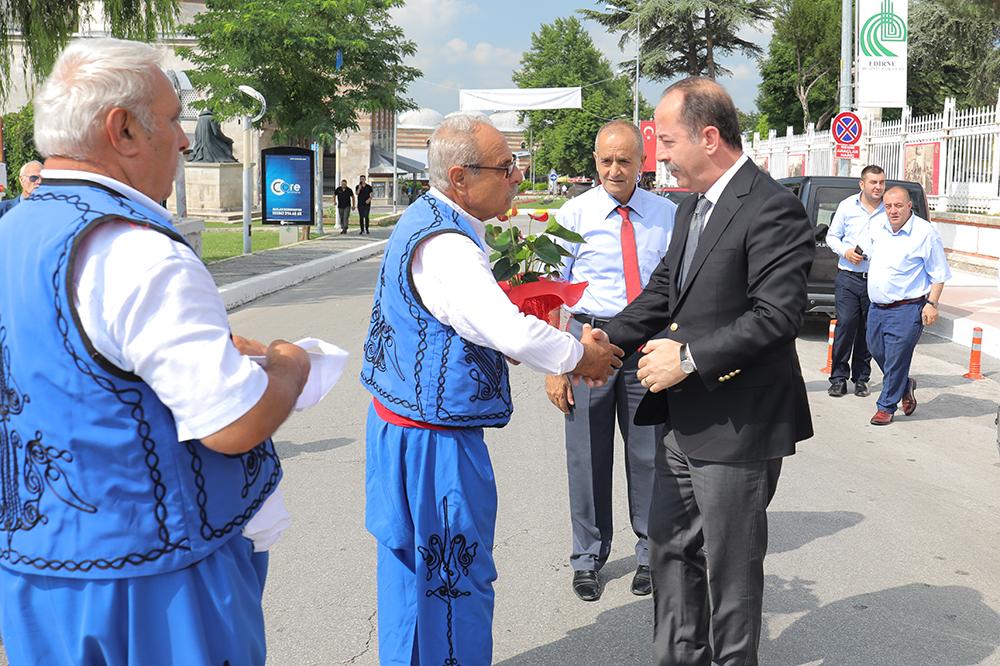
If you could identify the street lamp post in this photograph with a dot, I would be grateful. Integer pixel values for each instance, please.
(638, 51)
(248, 164)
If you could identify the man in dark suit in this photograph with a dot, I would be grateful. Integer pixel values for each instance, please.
(731, 292)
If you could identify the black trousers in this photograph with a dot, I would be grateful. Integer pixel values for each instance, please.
(363, 211)
(708, 538)
(590, 457)
(851, 357)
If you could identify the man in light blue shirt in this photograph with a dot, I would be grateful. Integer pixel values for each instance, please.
(627, 231)
(850, 224)
(906, 276)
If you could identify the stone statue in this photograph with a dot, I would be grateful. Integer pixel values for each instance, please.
(210, 144)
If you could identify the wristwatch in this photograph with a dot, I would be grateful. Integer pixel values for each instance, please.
(687, 365)
(934, 303)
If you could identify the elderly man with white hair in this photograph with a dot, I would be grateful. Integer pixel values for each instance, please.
(30, 177)
(134, 434)
(435, 363)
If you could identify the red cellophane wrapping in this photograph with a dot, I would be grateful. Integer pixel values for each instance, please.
(542, 297)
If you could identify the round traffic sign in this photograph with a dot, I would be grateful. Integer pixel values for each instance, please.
(846, 128)
(552, 177)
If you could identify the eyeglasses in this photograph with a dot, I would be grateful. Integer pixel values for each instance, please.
(34, 179)
(507, 169)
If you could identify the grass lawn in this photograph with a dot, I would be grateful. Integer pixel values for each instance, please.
(557, 202)
(219, 245)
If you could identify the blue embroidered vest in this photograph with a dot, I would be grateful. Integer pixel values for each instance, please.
(415, 365)
(95, 483)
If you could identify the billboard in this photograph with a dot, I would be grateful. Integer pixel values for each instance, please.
(287, 185)
(881, 39)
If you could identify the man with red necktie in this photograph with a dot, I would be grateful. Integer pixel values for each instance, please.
(627, 231)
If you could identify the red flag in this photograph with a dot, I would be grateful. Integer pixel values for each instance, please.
(648, 128)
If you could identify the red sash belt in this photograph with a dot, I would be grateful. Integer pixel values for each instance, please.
(396, 419)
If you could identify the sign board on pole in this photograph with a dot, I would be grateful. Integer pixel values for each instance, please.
(846, 128)
(287, 185)
(846, 152)
(648, 128)
(881, 68)
(553, 177)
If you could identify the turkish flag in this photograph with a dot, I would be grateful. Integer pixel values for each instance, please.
(648, 128)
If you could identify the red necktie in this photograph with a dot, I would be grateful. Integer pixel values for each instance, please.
(630, 258)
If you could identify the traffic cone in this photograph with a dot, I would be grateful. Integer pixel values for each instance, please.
(828, 368)
(976, 356)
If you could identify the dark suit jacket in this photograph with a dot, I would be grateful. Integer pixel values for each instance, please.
(739, 312)
(7, 204)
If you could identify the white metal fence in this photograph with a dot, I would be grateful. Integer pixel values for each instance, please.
(954, 154)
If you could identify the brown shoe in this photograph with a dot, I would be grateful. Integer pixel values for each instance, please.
(881, 418)
(909, 403)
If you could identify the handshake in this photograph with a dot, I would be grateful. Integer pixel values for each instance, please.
(600, 357)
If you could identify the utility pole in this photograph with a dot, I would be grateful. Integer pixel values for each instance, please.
(846, 60)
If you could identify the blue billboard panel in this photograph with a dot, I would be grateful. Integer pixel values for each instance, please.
(287, 188)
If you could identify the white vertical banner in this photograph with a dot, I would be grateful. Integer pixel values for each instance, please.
(882, 31)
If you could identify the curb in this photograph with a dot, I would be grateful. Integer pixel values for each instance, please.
(959, 331)
(250, 289)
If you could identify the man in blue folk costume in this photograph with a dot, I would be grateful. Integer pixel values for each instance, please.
(435, 365)
(134, 435)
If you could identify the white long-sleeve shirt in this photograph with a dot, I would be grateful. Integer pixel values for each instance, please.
(454, 279)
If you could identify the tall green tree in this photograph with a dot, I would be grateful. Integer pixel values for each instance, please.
(684, 37)
(43, 28)
(288, 51)
(955, 55)
(801, 72)
(563, 54)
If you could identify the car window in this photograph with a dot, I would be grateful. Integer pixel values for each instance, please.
(678, 197)
(826, 201)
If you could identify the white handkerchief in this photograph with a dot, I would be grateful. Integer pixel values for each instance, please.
(327, 363)
(266, 526)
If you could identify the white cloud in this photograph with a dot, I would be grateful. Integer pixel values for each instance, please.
(423, 21)
(745, 72)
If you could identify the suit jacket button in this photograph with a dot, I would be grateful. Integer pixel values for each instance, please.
(722, 379)
(673, 326)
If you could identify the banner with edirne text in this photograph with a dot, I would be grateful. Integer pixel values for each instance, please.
(882, 31)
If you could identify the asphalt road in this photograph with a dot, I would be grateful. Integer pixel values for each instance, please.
(883, 541)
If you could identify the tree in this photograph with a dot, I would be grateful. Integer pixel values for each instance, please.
(802, 64)
(288, 51)
(19, 145)
(956, 55)
(563, 54)
(46, 26)
(684, 37)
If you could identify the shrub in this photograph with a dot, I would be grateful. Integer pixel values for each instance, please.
(19, 145)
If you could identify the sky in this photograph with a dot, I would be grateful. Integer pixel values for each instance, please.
(478, 44)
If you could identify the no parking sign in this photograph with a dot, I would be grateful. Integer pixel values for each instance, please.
(846, 130)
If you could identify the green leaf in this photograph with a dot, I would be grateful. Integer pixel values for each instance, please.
(559, 231)
(548, 252)
(504, 269)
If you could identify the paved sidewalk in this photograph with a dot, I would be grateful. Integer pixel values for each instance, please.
(970, 300)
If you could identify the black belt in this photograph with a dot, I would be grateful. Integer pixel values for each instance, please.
(905, 301)
(857, 274)
(596, 322)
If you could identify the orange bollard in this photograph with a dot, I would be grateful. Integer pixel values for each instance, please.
(976, 356)
(828, 368)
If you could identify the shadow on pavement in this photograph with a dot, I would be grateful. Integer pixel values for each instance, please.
(288, 450)
(900, 626)
(623, 635)
(790, 530)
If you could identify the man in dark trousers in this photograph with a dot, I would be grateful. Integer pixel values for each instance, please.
(345, 202)
(364, 191)
(730, 292)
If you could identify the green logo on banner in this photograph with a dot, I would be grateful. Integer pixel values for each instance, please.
(882, 27)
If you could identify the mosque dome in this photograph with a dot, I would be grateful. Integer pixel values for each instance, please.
(507, 121)
(422, 117)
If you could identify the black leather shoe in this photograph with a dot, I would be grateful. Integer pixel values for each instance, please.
(641, 582)
(861, 389)
(838, 389)
(586, 585)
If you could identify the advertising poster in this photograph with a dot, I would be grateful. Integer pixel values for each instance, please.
(921, 162)
(881, 39)
(797, 164)
(287, 188)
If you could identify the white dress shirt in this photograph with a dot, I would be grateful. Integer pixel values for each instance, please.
(904, 264)
(455, 281)
(849, 227)
(598, 261)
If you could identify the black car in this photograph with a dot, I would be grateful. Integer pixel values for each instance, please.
(821, 195)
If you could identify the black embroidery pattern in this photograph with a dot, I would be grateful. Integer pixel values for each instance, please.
(130, 397)
(262, 452)
(488, 371)
(253, 461)
(22, 488)
(380, 346)
(449, 558)
(500, 387)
